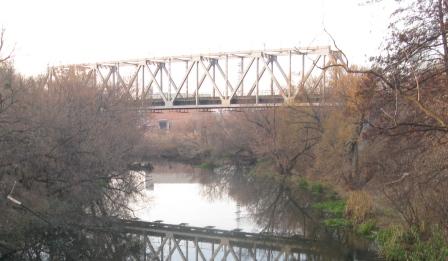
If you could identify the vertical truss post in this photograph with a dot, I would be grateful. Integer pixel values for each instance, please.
(142, 98)
(145, 242)
(186, 83)
(161, 248)
(213, 62)
(226, 251)
(197, 248)
(169, 249)
(257, 80)
(196, 93)
(287, 254)
(118, 78)
(242, 76)
(150, 89)
(94, 77)
(137, 90)
(303, 69)
(227, 77)
(290, 92)
(160, 65)
(324, 79)
(271, 61)
(169, 82)
(114, 69)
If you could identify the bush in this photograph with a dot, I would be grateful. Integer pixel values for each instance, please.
(366, 228)
(435, 248)
(334, 210)
(337, 223)
(389, 242)
(333, 207)
(397, 243)
(303, 184)
(359, 206)
(207, 165)
(317, 188)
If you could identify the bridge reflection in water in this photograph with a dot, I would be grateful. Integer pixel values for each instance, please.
(160, 241)
(264, 204)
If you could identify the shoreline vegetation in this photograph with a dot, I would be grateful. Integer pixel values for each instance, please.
(377, 163)
(353, 216)
(383, 149)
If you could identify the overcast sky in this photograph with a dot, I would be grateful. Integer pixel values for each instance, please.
(52, 32)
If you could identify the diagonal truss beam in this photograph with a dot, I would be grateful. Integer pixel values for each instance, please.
(224, 75)
(184, 80)
(148, 88)
(242, 78)
(154, 80)
(276, 67)
(282, 92)
(207, 71)
(307, 75)
(203, 76)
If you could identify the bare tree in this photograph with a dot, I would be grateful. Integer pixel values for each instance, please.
(69, 161)
(4, 57)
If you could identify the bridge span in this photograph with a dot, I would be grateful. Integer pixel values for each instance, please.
(160, 241)
(248, 79)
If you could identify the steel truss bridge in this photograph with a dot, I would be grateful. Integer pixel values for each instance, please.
(260, 78)
(180, 242)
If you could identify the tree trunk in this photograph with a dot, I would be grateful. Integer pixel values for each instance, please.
(356, 175)
(443, 32)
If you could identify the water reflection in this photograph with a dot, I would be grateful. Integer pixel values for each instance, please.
(268, 202)
(231, 198)
(178, 197)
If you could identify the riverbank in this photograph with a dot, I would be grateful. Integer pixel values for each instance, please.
(365, 219)
(255, 202)
(384, 185)
(360, 219)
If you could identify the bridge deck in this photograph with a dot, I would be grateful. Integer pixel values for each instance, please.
(210, 103)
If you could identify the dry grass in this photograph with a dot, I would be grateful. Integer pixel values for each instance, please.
(359, 206)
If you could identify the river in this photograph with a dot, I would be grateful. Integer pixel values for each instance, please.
(223, 199)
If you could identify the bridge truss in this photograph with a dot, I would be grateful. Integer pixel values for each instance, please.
(215, 80)
(180, 242)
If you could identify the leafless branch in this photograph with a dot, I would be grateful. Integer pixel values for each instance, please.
(2, 45)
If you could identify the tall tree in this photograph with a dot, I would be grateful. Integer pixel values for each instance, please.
(65, 151)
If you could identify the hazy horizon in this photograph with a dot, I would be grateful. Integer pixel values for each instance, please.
(66, 32)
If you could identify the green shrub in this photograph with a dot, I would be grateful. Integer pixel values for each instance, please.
(389, 243)
(337, 223)
(317, 188)
(366, 228)
(435, 248)
(207, 165)
(397, 243)
(333, 207)
(303, 184)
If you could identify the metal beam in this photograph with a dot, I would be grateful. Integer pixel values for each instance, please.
(234, 69)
